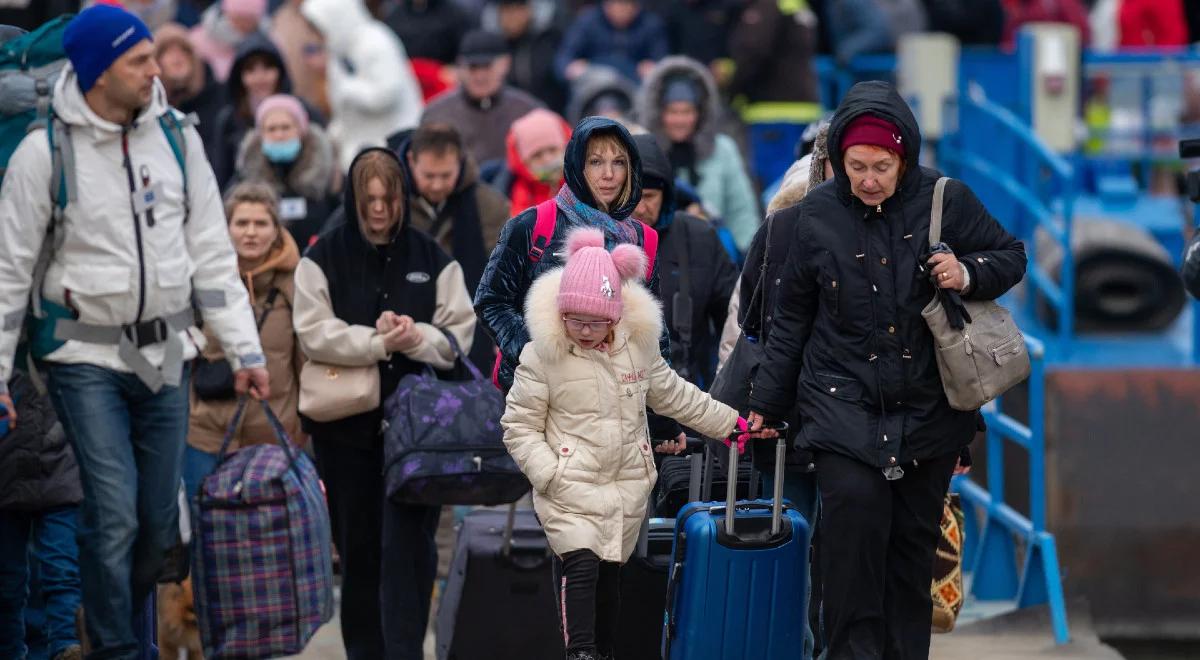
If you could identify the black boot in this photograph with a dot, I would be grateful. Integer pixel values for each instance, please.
(605, 656)
(582, 655)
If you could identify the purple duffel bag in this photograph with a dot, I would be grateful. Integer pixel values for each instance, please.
(442, 441)
(263, 573)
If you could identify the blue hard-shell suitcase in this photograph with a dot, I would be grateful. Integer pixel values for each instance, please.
(737, 587)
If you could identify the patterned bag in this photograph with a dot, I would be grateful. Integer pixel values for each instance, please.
(443, 444)
(263, 574)
(947, 585)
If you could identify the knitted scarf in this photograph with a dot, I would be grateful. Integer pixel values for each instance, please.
(580, 214)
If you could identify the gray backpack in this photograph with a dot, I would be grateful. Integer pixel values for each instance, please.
(986, 356)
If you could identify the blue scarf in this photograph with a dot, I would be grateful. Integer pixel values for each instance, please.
(583, 215)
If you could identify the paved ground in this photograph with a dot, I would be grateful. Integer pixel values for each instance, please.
(1023, 634)
(1016, 635)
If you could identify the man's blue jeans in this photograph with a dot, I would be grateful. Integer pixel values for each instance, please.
(48, 538)
(800, 488)
(129, 445)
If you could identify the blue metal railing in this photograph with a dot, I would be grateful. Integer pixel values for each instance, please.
(994, 529)
(1024, 184)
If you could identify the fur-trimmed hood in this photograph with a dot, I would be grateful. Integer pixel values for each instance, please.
(313, 174)
(641, 324)
(648, 107)
(598, 81)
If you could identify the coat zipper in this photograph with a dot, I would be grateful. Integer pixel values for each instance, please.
(137, 226)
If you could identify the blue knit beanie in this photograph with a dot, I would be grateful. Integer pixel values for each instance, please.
(97, 37)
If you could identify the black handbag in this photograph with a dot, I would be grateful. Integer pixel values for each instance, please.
(213, 379)
(731, 385)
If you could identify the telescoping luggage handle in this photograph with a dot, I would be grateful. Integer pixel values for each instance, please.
(776, 495)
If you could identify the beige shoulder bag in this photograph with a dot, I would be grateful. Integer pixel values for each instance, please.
(984, 358)
(330, 392)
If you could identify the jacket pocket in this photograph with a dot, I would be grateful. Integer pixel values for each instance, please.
(101, 293)
(839, 387)
(564, 456)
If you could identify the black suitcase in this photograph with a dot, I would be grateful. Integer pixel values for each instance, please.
(499, 600)
(644, 576)
(674, 481)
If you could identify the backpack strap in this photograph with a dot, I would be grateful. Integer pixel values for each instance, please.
(543, 230)
(173, 128)
(650, 247)
(62, 193)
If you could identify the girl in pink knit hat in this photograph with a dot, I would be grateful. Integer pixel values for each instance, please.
(576, 424)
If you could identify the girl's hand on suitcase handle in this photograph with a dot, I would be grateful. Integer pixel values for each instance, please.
(759, 428)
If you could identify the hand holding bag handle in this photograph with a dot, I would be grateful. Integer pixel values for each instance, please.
(777, 495)
(281, 435)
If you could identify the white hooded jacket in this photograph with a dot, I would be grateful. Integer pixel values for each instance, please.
(372, 89)
(113, 268)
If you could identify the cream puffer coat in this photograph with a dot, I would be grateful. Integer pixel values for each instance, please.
(576, 421)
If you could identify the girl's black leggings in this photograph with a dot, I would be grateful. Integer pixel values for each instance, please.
(589, 601)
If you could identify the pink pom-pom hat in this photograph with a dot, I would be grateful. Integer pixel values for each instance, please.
(592, 278)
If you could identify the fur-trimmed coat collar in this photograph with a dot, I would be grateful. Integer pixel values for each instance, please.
(641, 324)
(649, 102)
(311, 177)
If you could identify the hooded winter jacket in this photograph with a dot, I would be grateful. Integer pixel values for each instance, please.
(711, 273)
(721, 177)
(847, 321)
(343, 284)
(210, 419)
(500, 299)
(305, 187)
(115, 266)
(236, 118)
(37, 466)
(591, 87)
(372, 89)
(576, 421)
(519, 184)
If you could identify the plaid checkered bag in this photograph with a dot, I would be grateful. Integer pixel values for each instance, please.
(263, 574)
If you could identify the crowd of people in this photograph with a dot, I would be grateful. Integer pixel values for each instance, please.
(363, 177)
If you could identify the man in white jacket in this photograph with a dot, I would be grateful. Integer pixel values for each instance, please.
(115, 232)
(372, 88)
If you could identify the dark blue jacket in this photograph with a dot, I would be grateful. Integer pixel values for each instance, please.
(500, 298)
(592, 38)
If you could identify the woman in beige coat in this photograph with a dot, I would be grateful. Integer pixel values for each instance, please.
(267, 259)
(576, 423)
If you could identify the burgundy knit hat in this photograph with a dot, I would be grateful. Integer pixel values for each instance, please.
(872, 130)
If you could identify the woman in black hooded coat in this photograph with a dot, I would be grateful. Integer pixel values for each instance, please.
(500, 298)
(872, 407)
